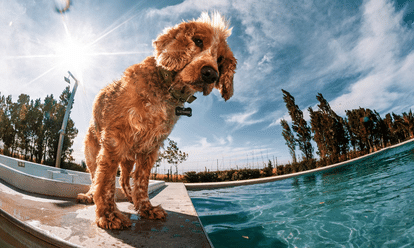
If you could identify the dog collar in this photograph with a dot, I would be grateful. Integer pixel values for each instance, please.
(168, 77)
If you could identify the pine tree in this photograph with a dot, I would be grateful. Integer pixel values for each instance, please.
(299, 125)
(51, 128)
(3, 117)
(7, 130)
(35, 127)
(20, 121)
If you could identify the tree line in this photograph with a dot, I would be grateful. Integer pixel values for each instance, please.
(29, 129)
(338, 139)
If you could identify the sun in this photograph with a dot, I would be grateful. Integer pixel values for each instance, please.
(74, 55)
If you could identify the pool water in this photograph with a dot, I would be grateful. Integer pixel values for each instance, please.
(368, 203)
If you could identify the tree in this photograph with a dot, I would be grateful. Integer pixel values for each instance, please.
(51, 127)
(3, 117)
(409, 120)
(299, 125)
(173, 155)
(7, 130)
(36, 128)
(31, 128)
(317, 127)
(389, 122)
(331, 128)
(20, 121)
(364, 126)
(54, 113)
(289, 138)
(355, 128)
(382, 131)
(400, 128)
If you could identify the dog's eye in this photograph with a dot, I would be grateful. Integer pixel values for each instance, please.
(219, 59)
(198, 42)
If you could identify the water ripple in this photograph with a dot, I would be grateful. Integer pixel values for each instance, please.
(365, 204)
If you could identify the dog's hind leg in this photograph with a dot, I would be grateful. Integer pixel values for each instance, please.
(126, 168)
(108, 215)
(140, 198)
(91, 152)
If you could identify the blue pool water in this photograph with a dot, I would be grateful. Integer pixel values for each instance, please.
(368, 203)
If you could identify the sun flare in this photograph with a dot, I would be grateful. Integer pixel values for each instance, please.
(74, 55)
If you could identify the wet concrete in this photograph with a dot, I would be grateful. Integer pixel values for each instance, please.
(64, 219)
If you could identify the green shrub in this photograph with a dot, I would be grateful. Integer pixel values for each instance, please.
(191, 177)
(244, 174)
(235, 176)
(226, 175)
(280, 170)
(288, 169)
(268, 171)
(206, 176)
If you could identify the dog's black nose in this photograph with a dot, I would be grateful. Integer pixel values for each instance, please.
(209, 75)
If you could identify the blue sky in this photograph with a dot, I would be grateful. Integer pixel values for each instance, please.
(356, 53)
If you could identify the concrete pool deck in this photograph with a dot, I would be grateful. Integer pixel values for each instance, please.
(32, 220)
(38, 209)
(216, 185)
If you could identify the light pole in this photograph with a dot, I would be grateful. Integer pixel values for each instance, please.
(65, 120)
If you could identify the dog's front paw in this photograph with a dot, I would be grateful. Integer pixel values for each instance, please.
(84, 198)
(115, 221)
(153, 213)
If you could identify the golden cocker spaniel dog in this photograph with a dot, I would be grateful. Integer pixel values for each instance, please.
(134, 115)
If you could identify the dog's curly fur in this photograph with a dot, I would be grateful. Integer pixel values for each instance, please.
(134, 115)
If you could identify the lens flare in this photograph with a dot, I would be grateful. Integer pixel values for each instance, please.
(62, 6)
(74, 54)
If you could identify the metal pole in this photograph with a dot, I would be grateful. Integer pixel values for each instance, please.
(65, 121)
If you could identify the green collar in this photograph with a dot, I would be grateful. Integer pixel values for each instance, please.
(168, 77)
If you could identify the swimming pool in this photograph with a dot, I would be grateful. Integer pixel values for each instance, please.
(368, 203)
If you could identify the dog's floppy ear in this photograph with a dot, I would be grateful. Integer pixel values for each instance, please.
(173, 47)
(227, 66)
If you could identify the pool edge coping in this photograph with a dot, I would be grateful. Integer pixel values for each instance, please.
(216, 185)
(25, 181)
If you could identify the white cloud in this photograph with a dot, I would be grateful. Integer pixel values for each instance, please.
(229, 139)
(279, 117)
(204, 143)
(243, 119)
(388, 72)
(405, 74)
(176, 12)
(220, 140)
